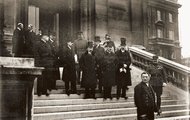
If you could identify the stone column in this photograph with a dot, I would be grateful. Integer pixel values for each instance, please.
(22, 12)
(1, 24)
(3, 50)
(84, 18)
(88, 18)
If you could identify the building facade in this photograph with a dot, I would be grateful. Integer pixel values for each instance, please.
(150, 23)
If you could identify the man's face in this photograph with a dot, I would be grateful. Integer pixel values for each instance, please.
(97, 43)
(122, 48)
(145, 78)
(89, 49)
(30, 27)
(80, 36)
(21, 26)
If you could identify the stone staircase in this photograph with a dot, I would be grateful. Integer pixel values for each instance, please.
(59, 106)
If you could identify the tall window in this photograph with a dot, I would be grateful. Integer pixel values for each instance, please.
(173, 55)
(158, 15)
(171, 35)
(170, 18)
(159, 33)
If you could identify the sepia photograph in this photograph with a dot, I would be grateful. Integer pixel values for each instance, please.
(94, 60)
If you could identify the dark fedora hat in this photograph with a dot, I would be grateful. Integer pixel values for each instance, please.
(97, 39)
(90, 44)
(123, 41)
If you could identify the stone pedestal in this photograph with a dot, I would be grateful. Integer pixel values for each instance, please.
(16, 87)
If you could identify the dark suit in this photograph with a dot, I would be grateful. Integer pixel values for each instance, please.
(108, 73)
(145, 101)
(30, 38)
(18, 42)
(111, 43)
(89, 80)
(69, 73)
(123, 79)
(158, 77)
(99, 55)
(44, 58)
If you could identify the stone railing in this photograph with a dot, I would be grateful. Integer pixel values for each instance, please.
(17, 77)
(177, 74)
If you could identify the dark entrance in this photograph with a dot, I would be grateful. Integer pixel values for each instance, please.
(61, 17)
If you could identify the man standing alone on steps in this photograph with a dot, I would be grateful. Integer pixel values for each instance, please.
(145, 99)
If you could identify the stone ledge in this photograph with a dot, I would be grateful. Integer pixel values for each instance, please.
(16, 61)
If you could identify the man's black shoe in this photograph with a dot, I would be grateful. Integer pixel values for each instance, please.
(39, 94)
(47, 94)
(117, 98)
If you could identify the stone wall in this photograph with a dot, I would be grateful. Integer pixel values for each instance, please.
(113, 17)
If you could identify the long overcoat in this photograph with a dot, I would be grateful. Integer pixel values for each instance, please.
(69, 73)
(109, 64)
(88, 66)
(30, 39)
(99, 55)
(123, 78)
(18, 42)
(44, 58)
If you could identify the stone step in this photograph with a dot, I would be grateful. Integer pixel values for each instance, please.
(186, 117)
(61, 89)
(102, 112)
(172, 113)
(133, 116)
(38, 103)
(51, 109)
(75, 96)
(88, 113)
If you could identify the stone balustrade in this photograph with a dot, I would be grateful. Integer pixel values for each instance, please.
(16, 87)
(177, 74)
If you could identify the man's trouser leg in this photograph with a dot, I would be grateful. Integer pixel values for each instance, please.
(118, 91)
(124, 88)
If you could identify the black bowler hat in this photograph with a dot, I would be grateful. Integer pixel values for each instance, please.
(123, 41)
(90, 44)
(97, 39)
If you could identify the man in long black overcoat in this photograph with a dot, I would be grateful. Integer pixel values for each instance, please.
(44, 58)
(18, 40)
(99, 55)
(88, 66)
(123, 76)
(30, 39)
(109, 64)
(145, 99)
(69, 72)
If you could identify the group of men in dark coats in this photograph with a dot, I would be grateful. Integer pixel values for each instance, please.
(88, 63)
(24, 41)
(45, 57)
(102, 65)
